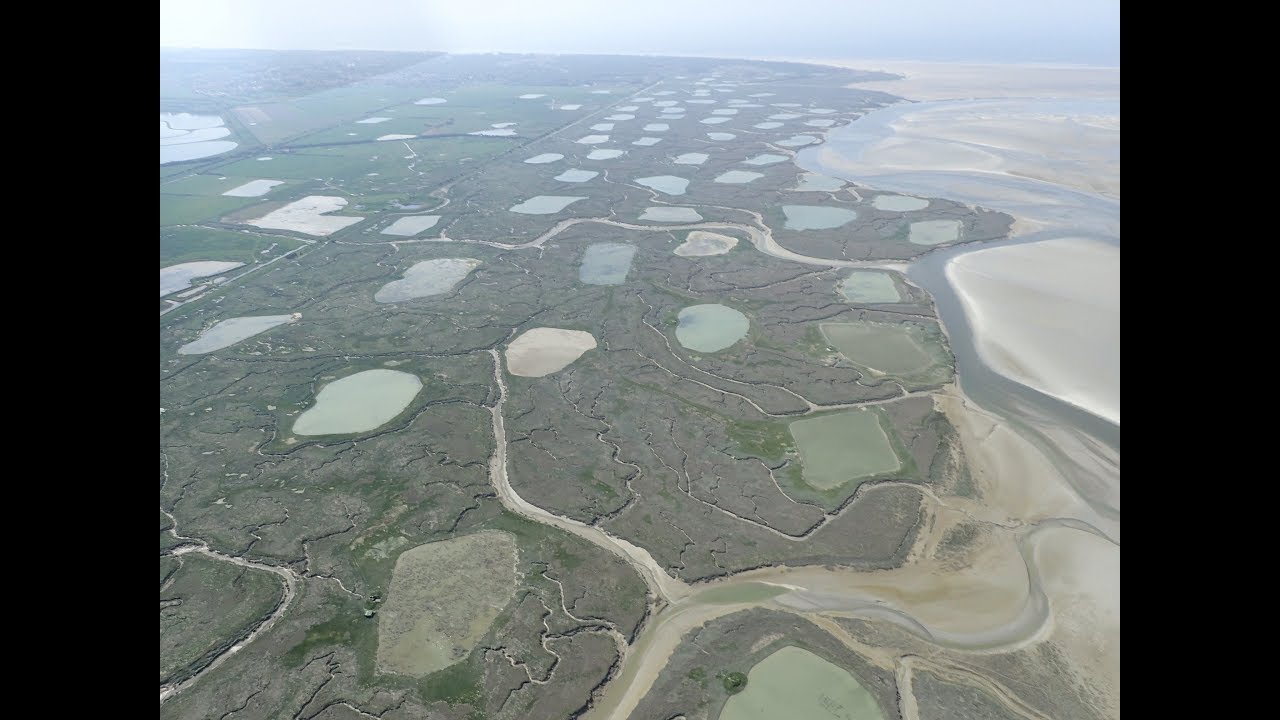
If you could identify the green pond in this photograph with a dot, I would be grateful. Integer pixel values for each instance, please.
(358, 403)
(795, 684)
(837, 448)
(869, 286)
(710, 328)
(934, 232)
(887, 348)
(606, 263)
(816, 217)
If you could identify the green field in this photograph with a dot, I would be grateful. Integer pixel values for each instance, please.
(192, 209)
(185, 244)
(796, 684)
(835, 449)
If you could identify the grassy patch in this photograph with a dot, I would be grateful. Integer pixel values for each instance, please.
(185, 244)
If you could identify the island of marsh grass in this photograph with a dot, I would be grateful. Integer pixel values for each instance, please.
(187, 244)
(207, 605)
(913, 353)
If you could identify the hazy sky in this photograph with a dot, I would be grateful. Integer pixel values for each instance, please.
(1048, 31)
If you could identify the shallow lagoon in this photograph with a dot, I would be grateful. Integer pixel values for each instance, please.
(837, 448)
(426, 278)
(668, 184)
(869, 286)
(934, 232)
(359, 403)
(738, 177)
(545, 204)
(671, 214)
(710, 328)
(816, 217)
(606, 263)
(231, 331)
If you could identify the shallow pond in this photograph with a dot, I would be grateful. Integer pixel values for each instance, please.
(576, 176)
(231, 331)
(738, 177)
(430, 101)
(710, 328)
(714, 120)
(545, 204)
(701, 243)
(820, 122)
(691, 159)
(179, 277)
(668, 184)
(796, 684)
(657, 127)
(253, 188)
(767, 125)
(837, 448)
(541, 351)
(671, 214)
(887, 348)
(606, 263)
(899, 203)
(816, 217)
(798, 141)
(647, 141)
(592, 139)
(721, 136)
(766, 159)
(426, 278)
(934, 232)
(601, 154)
(358, 403)
(412, 225)
(544, 158)
(869, 286)
(813, 182)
